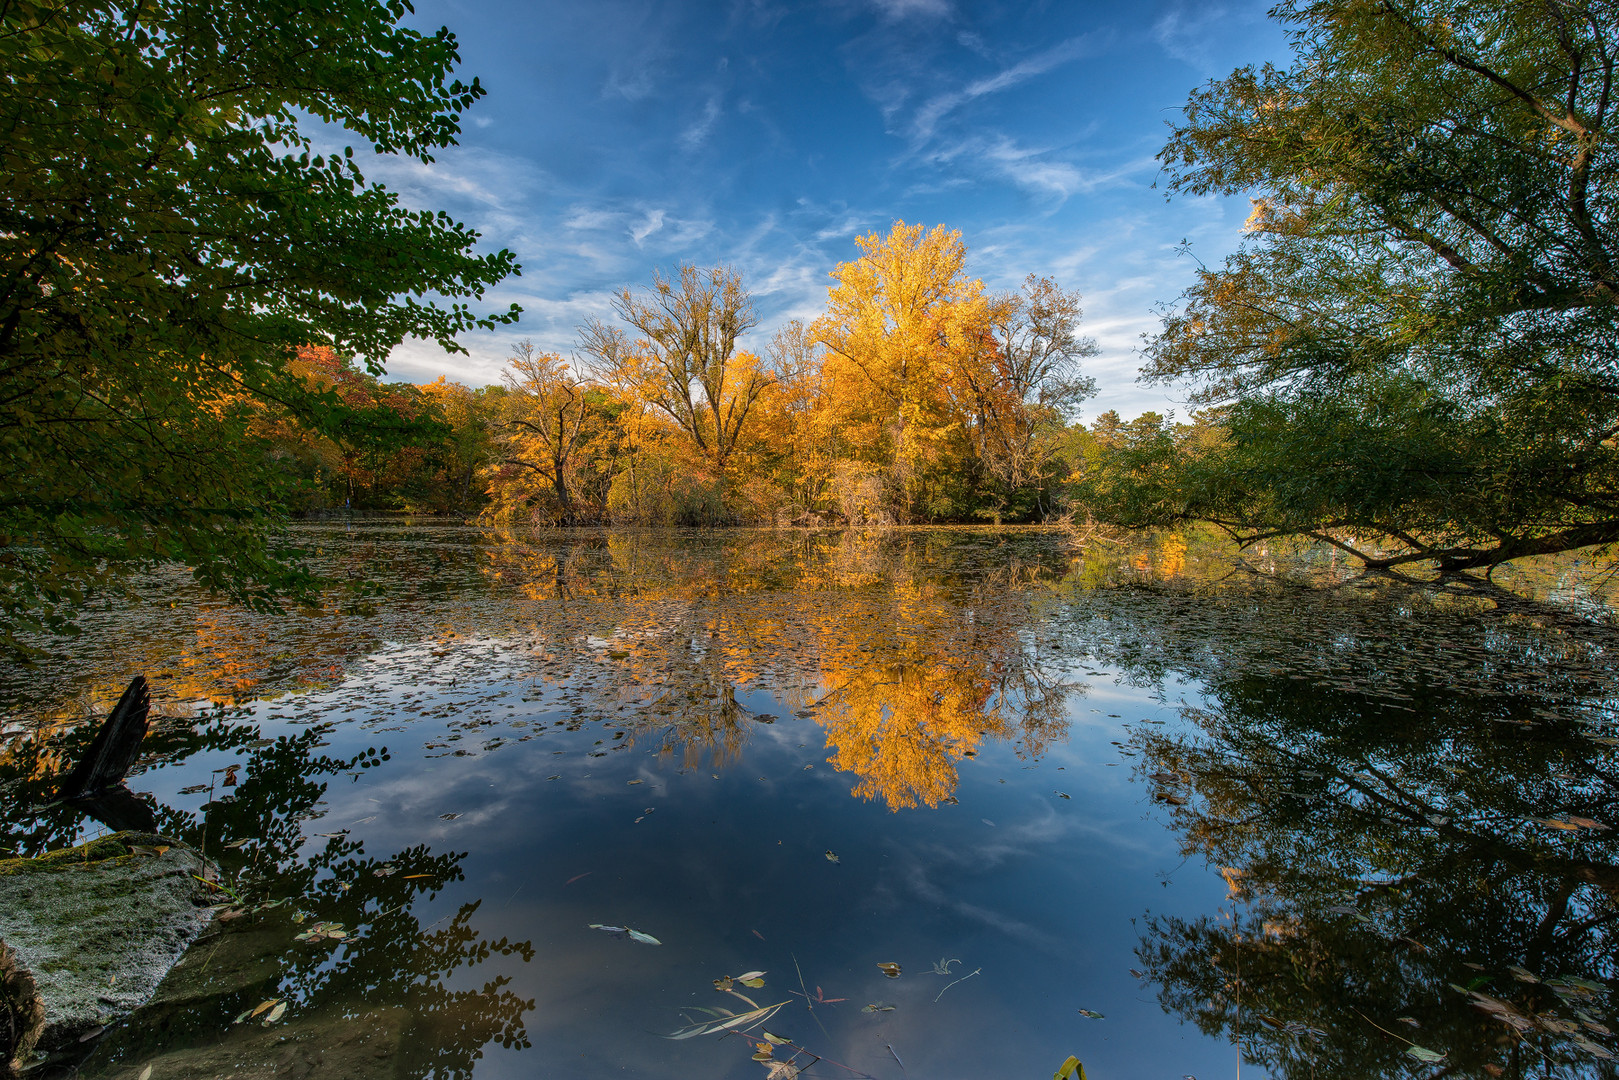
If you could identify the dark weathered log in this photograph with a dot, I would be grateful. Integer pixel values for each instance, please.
(22, 1014)
(115, 747)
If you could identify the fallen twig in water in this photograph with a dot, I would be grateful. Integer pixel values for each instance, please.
(807, 1001)
(964, 978)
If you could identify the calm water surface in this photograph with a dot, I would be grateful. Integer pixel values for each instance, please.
(1152, 806)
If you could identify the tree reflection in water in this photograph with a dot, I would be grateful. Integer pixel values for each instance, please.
(385, 986)
(1404, 786)
(907, 651)
(1411, 792)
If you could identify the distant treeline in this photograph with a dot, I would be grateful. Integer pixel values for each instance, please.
(917, 396)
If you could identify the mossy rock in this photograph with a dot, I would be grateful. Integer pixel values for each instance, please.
(115, 846)
(99, 925)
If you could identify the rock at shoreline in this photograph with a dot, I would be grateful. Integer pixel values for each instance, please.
(98, 926)
(22, 1014)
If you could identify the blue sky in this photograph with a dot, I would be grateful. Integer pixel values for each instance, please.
(620, 136)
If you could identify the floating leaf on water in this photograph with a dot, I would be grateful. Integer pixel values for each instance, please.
(774, 1040)
(1555, 823)
(644, 939)
(262, 1007)
(832, 858)
(1595, 1050)
(1501, 1010)
(941, 966)
(1521, 974)
(633, 782)
(1087, 1013)
(146, 1074)
(723, 984)
(752, 979)
(384, 871)
(1070, 1069)
(276, 1013)
(554, 776)
(1583, 822)
(1424, 1055)
(412, 877)
(877, 1007)
(890, 969)
(763, 1051)
(1407, 1020)
(1063, 795)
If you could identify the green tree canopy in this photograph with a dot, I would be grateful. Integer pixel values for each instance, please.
(1418, 344)
(168, 237)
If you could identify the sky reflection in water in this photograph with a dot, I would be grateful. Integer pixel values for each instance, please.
(1051, 768)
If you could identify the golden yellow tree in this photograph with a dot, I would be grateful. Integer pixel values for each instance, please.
(902, 322)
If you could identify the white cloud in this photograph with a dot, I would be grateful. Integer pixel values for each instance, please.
(588, 217)
(633, 84)
(895, 10)
(697, 134)
(1199, 34)
(936, 108)
(651, 224)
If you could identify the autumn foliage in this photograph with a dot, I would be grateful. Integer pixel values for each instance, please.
(918, 395)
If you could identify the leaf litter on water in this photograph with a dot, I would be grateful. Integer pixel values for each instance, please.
(722, 1020)
(634, 935)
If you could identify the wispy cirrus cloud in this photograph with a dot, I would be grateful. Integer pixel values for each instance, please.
(697, 133)
(926, 120)
(895, 10)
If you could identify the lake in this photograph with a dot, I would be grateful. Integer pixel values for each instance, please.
(544, 804)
